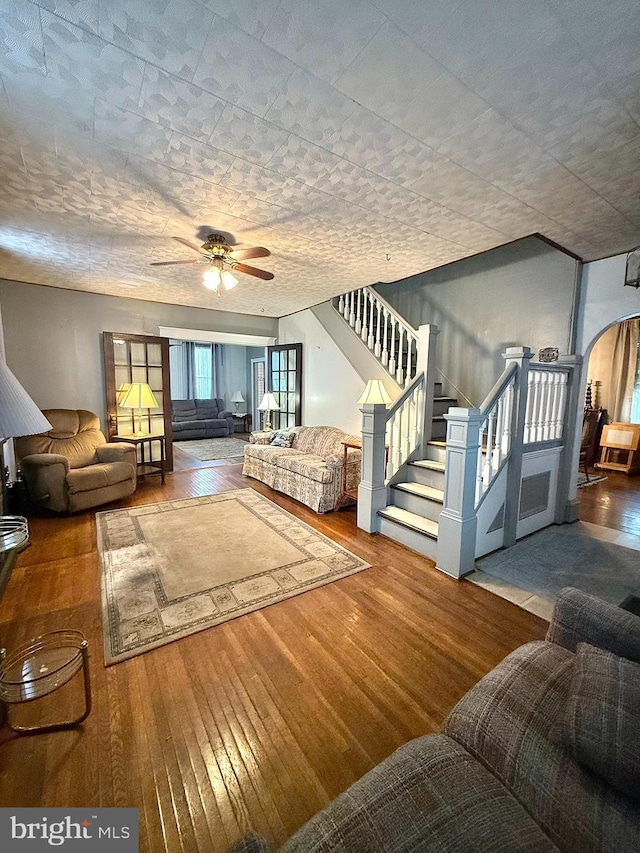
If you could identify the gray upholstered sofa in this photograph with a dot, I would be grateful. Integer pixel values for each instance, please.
(200, 419)
(542, 754)
(310, 467)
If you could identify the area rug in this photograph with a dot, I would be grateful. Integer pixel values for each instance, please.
(174, 568)
(593, 479)
(533, 571)
(208, 449)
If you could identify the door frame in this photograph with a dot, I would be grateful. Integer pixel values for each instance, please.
(111, 392)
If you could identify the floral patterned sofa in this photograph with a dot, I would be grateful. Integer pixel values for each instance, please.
(306, 463)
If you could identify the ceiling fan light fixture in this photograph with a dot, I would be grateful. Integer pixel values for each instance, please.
(229, 280)
(212, 279)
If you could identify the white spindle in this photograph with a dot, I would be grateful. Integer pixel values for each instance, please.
(384, 358)
(341, 304)
(399, 370)
(366, 316)
(371, 336)
(392, 357)
(377, 350)
(352, 316)
(358, 325)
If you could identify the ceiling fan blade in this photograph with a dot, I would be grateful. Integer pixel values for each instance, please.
(245, 268)
(170, 263)
(247, 254)
(188, 243)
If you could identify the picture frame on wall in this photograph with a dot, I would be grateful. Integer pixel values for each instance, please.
(632, 272)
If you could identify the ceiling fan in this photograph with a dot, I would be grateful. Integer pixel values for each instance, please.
(221, 259)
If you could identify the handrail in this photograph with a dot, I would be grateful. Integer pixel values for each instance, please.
(408, 391)
(391, 309)
(498, 389)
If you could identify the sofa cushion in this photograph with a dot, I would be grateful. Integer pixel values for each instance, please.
(269, 453)
(98, 476)
(430, 795)
(506, 721)
(600, 725)
(306, 465)
(207, 409)
(183, 410)
(319, 440)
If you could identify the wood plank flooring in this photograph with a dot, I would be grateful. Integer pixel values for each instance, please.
(614, 502)
(261, 721)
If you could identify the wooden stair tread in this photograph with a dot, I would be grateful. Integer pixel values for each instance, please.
(431, 464)
(410, 520)
(428, 492)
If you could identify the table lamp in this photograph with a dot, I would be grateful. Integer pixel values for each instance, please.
(375, 393)
(139, 396)
(267, 405)
(237, 398)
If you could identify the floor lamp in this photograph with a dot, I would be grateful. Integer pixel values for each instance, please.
(19, 415)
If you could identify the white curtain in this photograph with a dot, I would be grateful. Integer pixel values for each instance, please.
(624, 367)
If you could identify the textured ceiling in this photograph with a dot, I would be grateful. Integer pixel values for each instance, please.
(333, 132)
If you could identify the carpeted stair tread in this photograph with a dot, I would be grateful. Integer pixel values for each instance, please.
(428, 492)
(411, 520)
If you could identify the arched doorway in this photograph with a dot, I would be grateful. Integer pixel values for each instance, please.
(611, 373)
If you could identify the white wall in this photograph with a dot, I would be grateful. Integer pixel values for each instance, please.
(605, 300)
(53, 337)
(521, 294)
(330, 385)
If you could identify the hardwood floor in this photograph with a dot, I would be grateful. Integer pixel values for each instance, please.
(261, 721)
(614, 502)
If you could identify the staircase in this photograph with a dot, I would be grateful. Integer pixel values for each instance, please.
(416, 492)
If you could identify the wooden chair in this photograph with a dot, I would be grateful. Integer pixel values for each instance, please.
(591, 430)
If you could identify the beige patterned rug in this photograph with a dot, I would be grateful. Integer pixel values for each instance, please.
(208, 449)
(174, 568)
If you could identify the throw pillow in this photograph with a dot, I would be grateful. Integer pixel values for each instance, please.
(601, 720)
(282, 438)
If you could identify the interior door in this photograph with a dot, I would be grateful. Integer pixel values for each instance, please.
(284, 364)
(138, 358)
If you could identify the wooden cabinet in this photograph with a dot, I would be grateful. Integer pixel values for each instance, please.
(620, 448)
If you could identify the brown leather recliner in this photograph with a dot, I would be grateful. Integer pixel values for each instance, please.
(71, 467)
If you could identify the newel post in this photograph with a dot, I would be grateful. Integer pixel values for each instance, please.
(567, 500)
(520, 356)
(372, 491)
(457, 523)
(426, 362)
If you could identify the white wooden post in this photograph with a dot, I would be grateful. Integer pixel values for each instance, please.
(566, 495)
(372, 491)
(457, 522)
(426, 362)
(521, 356)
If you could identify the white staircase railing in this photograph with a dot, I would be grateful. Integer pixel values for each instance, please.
(496, 431)
(503, 464)
(389, 337)
(391, 436)
(405, 425)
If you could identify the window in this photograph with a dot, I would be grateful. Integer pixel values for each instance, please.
(192, 370)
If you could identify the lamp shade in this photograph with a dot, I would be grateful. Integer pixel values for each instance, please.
(237, 397)
(19, 415)
(375, 392)
(268, 403)
(139, 396)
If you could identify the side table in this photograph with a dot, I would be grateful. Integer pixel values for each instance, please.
(39, 668)
(348, 493)
(243, 420)
(146, 466)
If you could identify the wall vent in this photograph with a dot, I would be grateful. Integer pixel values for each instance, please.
(534, 494)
